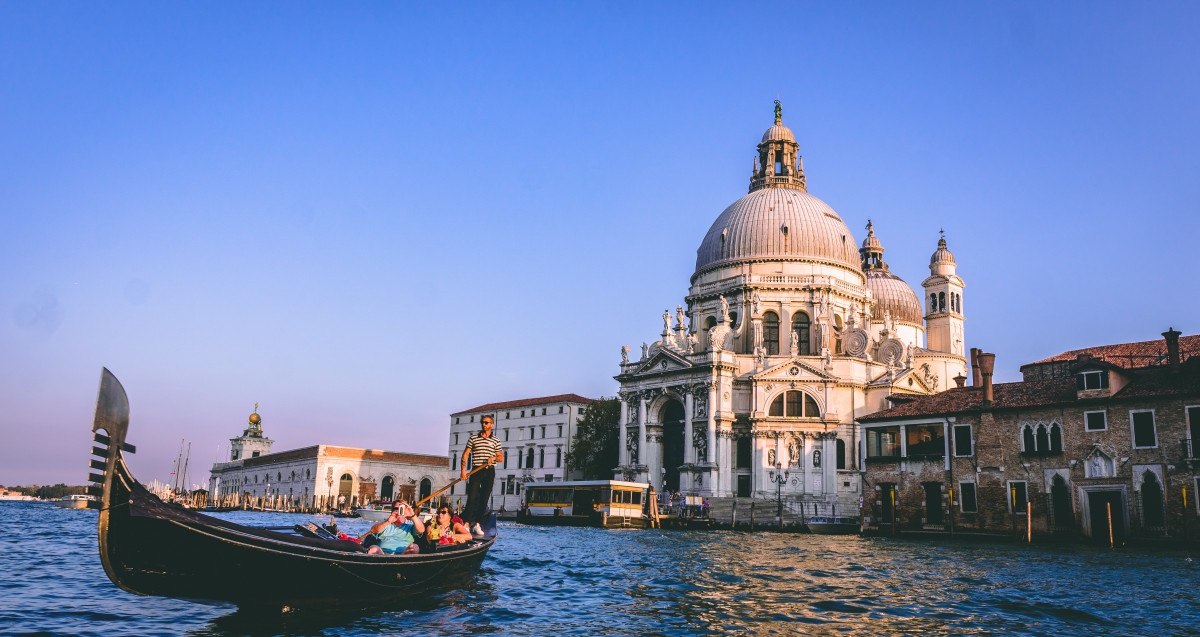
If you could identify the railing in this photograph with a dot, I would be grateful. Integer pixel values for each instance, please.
(1042, 453)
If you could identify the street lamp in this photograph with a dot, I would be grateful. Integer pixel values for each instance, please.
(780, 478)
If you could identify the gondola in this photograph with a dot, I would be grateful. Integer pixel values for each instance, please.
(149, 547)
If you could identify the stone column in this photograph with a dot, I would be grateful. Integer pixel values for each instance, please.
(712, 423)
(642, 450)
(689, 450)
(622, 442)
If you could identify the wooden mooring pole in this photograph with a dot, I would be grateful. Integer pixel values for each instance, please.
(1111, 543)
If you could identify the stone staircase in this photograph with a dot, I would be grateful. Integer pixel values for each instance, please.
(762, 512)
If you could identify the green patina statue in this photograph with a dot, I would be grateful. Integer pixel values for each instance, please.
(778, 112)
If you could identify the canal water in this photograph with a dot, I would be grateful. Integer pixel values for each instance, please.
(551, 581)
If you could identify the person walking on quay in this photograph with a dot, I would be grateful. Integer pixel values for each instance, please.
(482, 449)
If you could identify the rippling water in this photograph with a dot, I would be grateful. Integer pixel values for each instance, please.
(540, 581)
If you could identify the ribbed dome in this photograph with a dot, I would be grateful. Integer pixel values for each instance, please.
(778, 224)
(893, 295)
(777, 132)
(942, 255)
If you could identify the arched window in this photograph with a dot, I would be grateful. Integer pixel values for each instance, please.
(837, 334)
(710, 322)
(941, 301)
(529, 459)
(771, 333)
(800, 330)
(1056, 438)
(1043, 438)
(841, 453)
(794, 404)
(933, 302)
(542, 458)
(520, 457)
(558, 458)
(1152, 501)
(1027, 439)
(733, 320)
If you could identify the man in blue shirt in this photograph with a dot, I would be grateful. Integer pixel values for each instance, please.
(398, 533)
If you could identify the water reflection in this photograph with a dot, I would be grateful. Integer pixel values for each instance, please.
(541, 581)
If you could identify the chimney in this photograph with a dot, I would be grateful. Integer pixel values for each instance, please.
(976, 379)
(987, 362)
(1172, 337)
(960, 380)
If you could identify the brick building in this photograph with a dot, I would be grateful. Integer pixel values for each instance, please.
(1087, 432)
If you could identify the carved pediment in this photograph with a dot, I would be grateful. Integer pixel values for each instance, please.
(793, 370)
(902, 376)
(664, 360)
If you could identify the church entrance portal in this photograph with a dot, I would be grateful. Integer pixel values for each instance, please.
(671, 418)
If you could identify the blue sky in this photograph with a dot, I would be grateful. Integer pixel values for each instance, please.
(368, 217)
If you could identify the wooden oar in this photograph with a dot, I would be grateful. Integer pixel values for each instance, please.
(417, 506)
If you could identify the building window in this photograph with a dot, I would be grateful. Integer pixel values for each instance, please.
(557, 458)
(1144, 436)
(529, 459)
(1091, 380)
(560, 409)
(543, 432)
(841, 453)
(254, 454)
(771, 333)
(963, 445)
(541, 458)
(520, 456)
(581, 411)
(543, 411)
(1018, 496)
(456, 439)
(456, 420)
(941, 301)
(744, 452)
(1040, 440)
(472, 418)
(927, 441)
(794, 404)
(966, 497)
(505, 435)
(560, 431)
(453, 462)
(1192, 422)
(505, 461)
(800, 332)
(883, 442)
(837, 334)
(522, 413)
(1095, 420)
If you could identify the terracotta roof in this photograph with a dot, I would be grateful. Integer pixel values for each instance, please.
(1127, 355)
(529, 402)
(1145, 382)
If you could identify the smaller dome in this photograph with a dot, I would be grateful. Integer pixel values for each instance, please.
(871, 243)
(941, 256)
(778, 132)
(893, 296)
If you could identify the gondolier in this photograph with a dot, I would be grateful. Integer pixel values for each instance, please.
(482, 449)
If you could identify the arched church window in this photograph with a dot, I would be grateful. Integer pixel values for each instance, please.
(733, 320)
(1056, 438)
(710, 323)
(941, 301)
(841, 453)
(837, 334)
(933, 302)
(794, 404)
(771, 333)
(1027, 439)
(800, 330)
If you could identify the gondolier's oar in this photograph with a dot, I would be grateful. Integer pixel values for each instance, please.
(417, 506)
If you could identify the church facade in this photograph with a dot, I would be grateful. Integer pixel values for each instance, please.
(789, 331)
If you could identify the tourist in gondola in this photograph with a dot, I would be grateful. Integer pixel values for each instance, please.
(399, 532)
(446, 529)
(482, 451)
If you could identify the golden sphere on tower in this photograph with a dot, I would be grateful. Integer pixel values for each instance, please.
(255, 418)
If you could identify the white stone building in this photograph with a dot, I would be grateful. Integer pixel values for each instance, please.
(791, 330)
(536, 435)
(313, 475)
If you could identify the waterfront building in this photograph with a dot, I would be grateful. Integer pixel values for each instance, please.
(317, 475)
(536, 434)
(790, 330)
(1104, 433)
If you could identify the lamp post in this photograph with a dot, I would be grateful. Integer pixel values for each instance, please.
(779, 478)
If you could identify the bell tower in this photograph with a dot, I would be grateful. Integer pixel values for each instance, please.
(778, 164)
(943, 303)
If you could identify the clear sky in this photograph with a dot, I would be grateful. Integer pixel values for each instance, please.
(367, 217)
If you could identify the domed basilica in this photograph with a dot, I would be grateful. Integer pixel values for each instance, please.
(790, 331)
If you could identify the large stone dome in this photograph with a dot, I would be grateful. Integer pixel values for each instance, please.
(893, 296)
(778, 224)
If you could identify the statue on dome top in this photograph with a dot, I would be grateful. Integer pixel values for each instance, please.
(778, 112)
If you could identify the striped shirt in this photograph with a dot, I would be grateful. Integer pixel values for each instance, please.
(482, 449)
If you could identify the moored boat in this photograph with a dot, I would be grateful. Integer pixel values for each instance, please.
(74, 501)
(149, 547)
(832, 525)
(376, 513)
